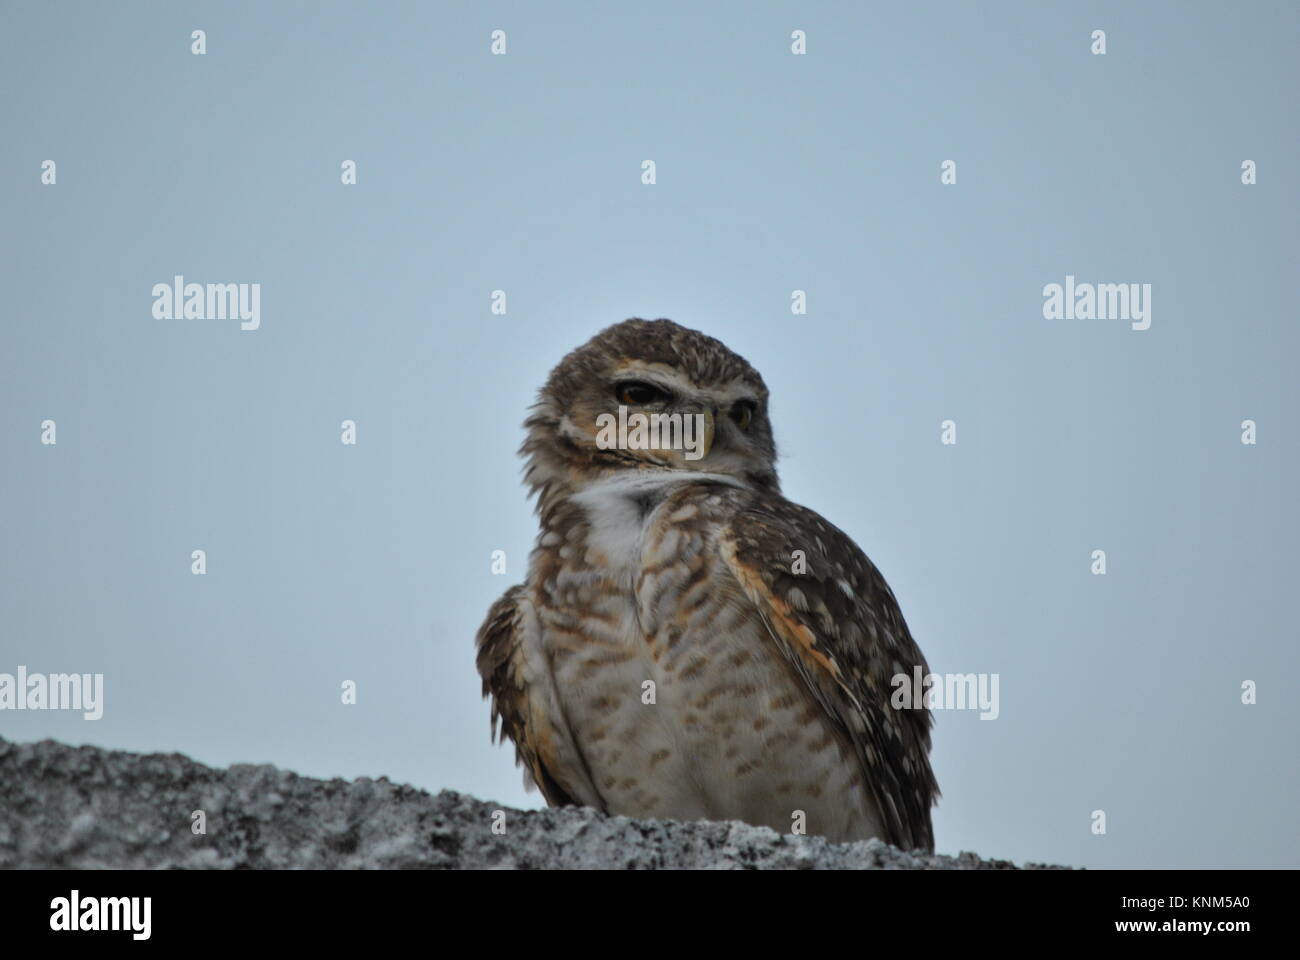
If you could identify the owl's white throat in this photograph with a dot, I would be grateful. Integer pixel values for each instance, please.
(619, 510)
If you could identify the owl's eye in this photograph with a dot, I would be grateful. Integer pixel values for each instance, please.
(742, 413)
(637, 393)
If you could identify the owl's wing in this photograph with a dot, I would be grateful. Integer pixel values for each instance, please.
(525, 706)
(840, 627)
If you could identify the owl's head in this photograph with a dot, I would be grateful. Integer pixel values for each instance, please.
(649, 395)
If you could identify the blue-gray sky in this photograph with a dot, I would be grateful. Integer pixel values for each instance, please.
(775, 172)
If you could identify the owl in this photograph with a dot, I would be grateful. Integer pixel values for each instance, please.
(688, 643)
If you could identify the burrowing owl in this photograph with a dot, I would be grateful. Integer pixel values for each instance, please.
(689, 644)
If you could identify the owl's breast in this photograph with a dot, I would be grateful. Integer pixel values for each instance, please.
(680, 704)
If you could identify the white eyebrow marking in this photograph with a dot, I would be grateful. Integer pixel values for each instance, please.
(668, 378)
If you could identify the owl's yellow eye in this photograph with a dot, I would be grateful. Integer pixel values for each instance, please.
(636, 393)
(742, 413)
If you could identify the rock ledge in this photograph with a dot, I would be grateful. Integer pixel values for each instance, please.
(86, 807)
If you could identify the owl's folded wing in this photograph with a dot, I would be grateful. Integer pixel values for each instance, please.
(837, 622)
(524, 703)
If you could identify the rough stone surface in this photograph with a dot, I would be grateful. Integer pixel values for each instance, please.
(85, 807)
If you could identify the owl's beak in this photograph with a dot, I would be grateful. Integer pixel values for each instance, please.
(706, 441)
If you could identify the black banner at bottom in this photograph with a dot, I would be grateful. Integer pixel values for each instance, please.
(333, 909)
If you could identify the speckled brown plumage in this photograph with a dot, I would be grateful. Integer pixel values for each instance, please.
(666, 656)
